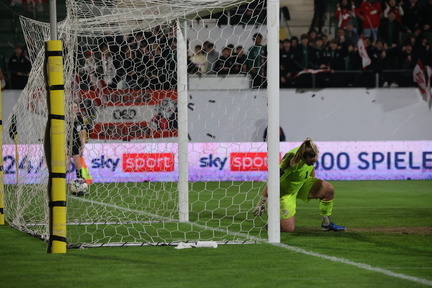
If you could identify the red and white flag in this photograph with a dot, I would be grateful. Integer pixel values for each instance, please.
(366, 61)
(133, 114)
(422, 76)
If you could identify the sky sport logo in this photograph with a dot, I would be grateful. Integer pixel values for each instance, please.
(148, 162)
(249, 161)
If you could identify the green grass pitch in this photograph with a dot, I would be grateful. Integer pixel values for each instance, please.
(388, 243)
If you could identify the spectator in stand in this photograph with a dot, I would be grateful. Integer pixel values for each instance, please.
(117, 46)
(294, 43)
(396, 8)
(89, 81)
(410, 39)
(426, 20)
(286, 64)
(340, 38)
(143, 65)
(225, 63)
(256, 62)
(2, 80)
(19, 68)
(240, 61)
(370, 14)
(325, 40)
(156, 36)
(105, 65)
(212, 56)
(115, 43)
(318, 16)
(318, 62)
(406, 63)
(352, 58)
(172, 62)
(199, 60)
(335, 61)
(2, 62)
(134, 41)
(88, 76)
(417, 33)
(157, 71)
(129, 66)
(378, 58)
(302, 62)
(412, 14)
(231, 47)
(303, 53)
(312, 36)
(172, 32)
(351, 35)
(205, 46)
(345, 12)
(422, 51)
(340, 35)
(390, 31)
(319, 53)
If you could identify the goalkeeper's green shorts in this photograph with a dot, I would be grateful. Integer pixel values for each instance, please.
(288, 201)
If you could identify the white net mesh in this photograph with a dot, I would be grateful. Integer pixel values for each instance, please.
(121, 68)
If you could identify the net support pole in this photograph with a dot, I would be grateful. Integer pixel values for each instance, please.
(273, 120)
(55, 146)
(1, 163)
(53, 19)
(183, 182)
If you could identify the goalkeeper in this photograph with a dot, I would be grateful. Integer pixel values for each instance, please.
(297, 181)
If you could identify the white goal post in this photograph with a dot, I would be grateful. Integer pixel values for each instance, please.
(129, 65)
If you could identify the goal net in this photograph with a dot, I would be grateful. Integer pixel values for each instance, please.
(128, 66)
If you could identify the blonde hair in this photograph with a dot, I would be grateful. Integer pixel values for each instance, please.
(306, 149)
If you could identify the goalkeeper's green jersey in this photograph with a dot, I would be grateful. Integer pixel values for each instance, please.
(292, 178)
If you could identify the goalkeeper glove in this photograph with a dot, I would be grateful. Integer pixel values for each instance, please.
(260, 207)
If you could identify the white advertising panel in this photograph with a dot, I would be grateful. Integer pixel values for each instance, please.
(120, 162)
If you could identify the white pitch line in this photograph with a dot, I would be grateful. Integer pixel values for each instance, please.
(125, 209)
(285, 246)
(358, 265)
(410, 268)
(363, 208)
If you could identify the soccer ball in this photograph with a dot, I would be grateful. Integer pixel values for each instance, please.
(78, 187)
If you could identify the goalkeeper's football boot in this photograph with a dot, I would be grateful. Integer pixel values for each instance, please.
(332, 227)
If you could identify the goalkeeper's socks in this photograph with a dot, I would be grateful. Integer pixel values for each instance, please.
(326, 207)
(326, 220)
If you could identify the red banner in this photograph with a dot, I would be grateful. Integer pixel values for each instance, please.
(141, 114)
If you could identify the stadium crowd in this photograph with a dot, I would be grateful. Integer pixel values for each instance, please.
(397, 34)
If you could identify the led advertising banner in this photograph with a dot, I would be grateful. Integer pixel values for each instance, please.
(127, 162)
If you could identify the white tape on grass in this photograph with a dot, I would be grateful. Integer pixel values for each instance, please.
(288, 247)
